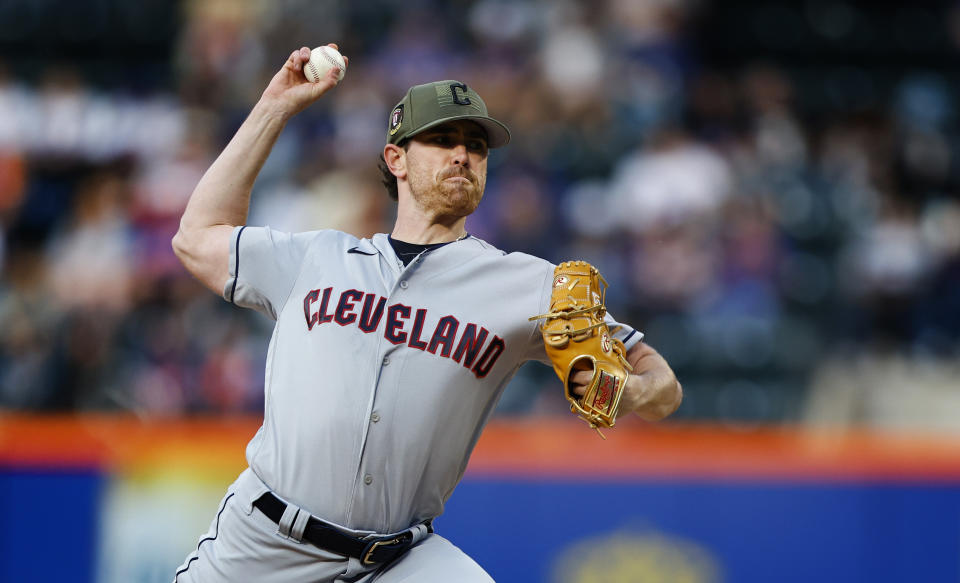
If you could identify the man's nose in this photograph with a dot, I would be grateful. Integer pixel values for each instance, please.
(459, 153)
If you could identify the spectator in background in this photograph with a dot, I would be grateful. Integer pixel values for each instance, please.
(776, 212)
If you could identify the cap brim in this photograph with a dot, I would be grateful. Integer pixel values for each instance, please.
(497, 134)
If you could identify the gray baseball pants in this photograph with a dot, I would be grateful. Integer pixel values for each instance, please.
(244, 545)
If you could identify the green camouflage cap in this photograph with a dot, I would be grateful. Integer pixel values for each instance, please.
(432, 104)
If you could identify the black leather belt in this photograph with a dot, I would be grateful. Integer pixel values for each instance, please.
(370, 551)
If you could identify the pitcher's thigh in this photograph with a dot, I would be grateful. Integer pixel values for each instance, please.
(241, 547)
(434, 560)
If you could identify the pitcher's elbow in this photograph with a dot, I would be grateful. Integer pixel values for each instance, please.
(180, 246)
(677, 398)
(668, 404)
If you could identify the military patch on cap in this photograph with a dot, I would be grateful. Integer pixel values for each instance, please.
(396, 118)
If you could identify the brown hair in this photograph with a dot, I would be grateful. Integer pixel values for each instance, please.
(386, 177)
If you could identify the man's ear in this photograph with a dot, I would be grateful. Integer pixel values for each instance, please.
(396, 159)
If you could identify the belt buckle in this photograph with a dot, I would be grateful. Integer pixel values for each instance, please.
(366, 556)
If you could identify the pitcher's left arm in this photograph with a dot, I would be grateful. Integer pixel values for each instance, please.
(652, 390)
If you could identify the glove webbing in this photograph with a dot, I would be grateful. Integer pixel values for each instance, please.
(566, 314)
(579, 333)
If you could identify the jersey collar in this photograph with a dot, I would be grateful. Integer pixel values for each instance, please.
(451, 255)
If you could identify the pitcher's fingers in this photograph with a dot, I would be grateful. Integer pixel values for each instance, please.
(579, 381)
(298, 58)
(291, 63)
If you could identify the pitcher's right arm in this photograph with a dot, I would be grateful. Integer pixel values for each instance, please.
(221, 199)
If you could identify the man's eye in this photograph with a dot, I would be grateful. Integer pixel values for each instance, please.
(477, 145)
(440, 139)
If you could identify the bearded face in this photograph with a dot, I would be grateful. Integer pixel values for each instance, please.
(447, 169)
(448, 191)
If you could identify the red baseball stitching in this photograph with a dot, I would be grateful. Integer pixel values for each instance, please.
(313, 68)
(330, 59)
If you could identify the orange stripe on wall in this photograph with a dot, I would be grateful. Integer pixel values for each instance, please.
(666, 450)
(527, 448)
(115, 442)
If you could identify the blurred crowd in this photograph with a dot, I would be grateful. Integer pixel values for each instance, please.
(760, 224)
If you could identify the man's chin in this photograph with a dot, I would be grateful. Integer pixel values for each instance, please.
(461, 202)
(460, 191)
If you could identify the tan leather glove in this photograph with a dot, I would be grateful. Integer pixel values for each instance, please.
(577, 338)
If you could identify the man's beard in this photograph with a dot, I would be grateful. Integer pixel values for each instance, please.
(447, 198)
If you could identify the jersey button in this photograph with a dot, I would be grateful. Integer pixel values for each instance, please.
(404, 284)
(368, 479)
(386, 360)
(375, 417)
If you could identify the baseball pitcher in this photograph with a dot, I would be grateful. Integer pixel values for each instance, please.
(389, 354)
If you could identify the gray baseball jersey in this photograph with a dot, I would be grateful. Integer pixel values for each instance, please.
(380, 377)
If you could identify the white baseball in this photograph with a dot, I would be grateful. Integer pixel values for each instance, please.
(322, 59)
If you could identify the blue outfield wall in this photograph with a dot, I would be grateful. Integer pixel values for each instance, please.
(118, 500)
(50, 524)
(735, 532)
(556, 531)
